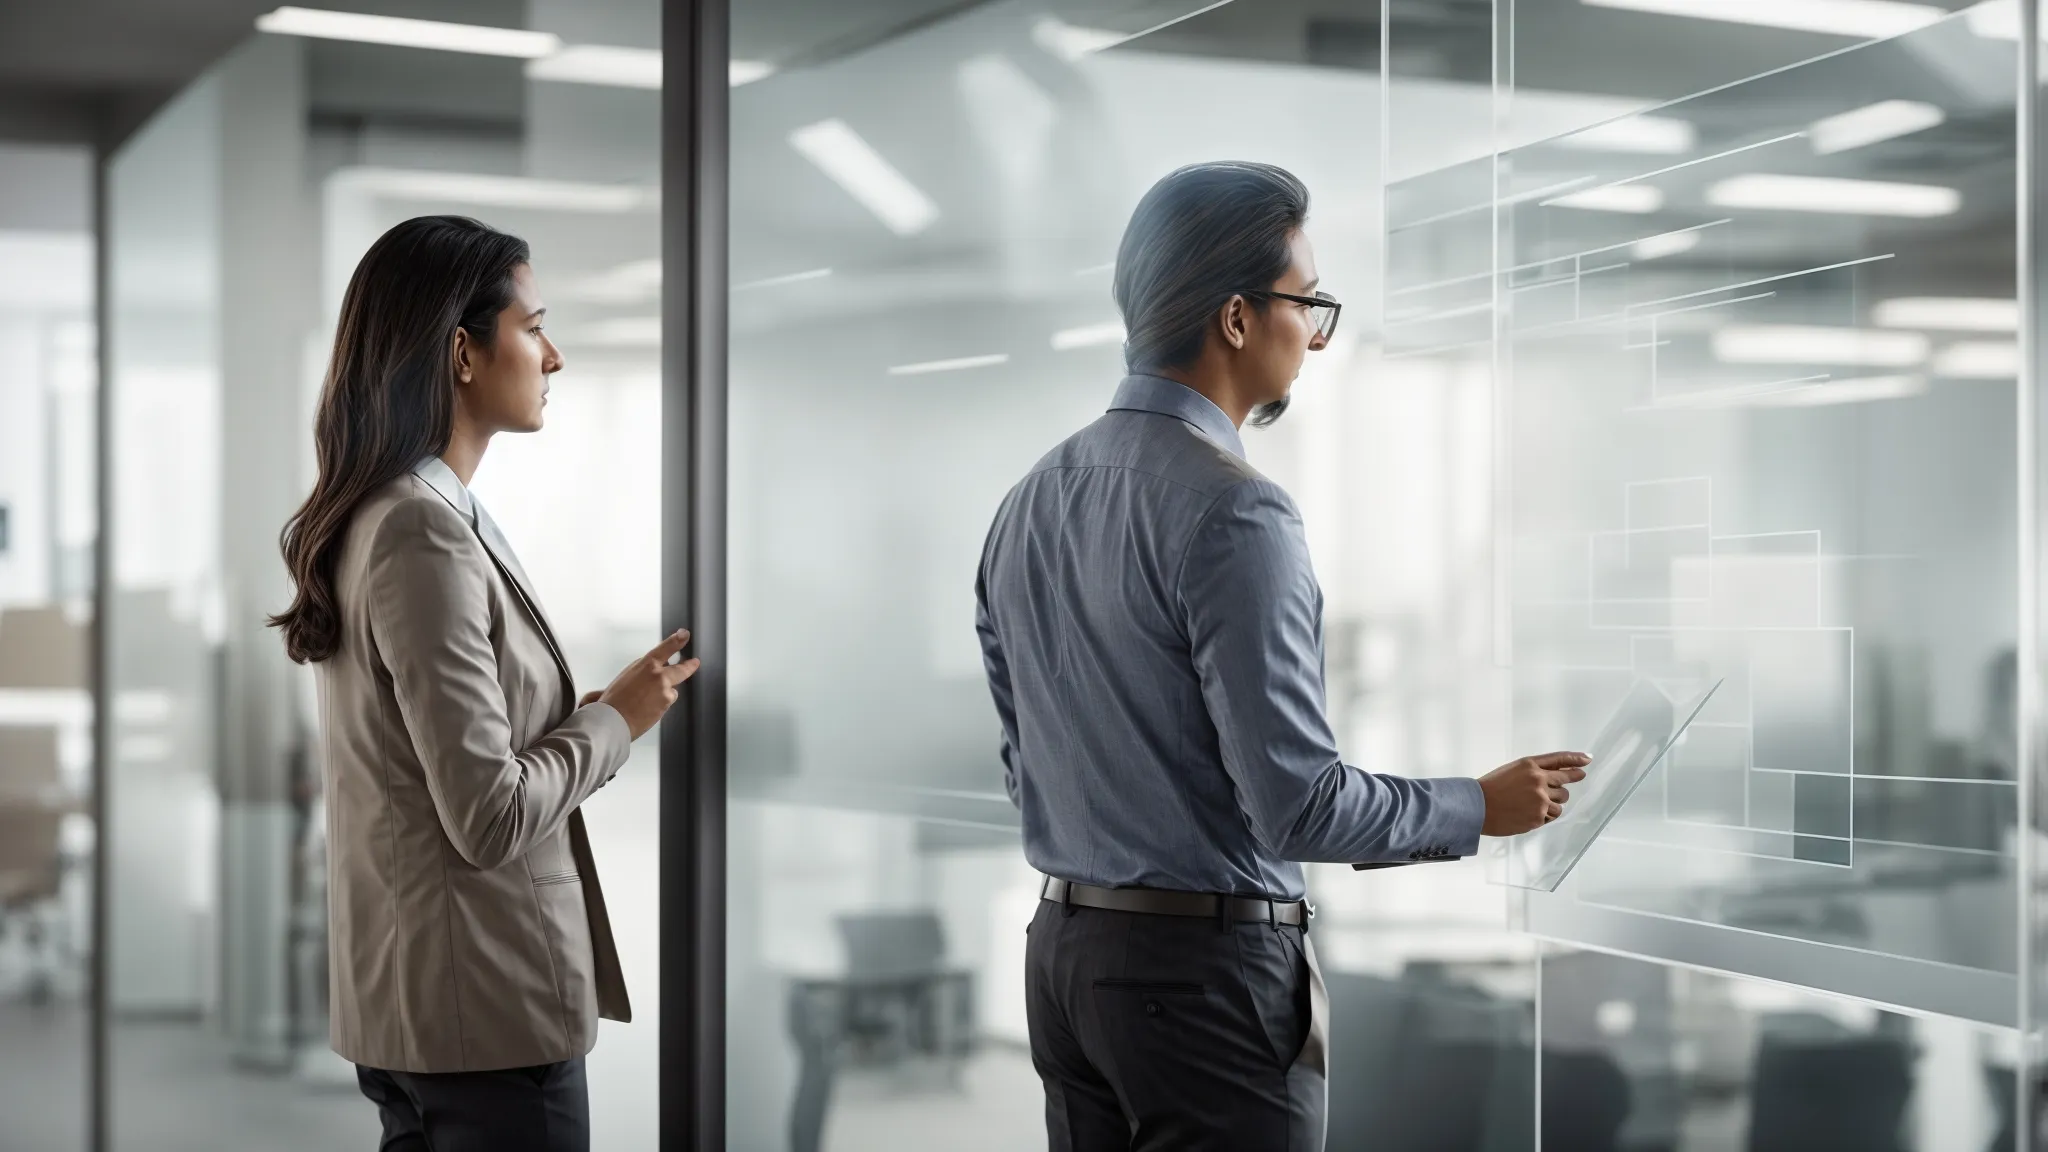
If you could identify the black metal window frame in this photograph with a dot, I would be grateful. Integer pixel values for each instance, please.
(694, 166)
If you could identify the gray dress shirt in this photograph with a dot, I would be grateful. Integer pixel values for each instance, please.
(1153, 636)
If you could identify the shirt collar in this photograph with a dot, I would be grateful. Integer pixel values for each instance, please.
(1140, 393)
(441, 478)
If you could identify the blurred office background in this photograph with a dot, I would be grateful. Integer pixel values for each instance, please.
(1726, 390)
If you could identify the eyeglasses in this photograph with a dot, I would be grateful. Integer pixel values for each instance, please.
(1322, 307)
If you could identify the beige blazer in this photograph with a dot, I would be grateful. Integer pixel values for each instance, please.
(466, 927)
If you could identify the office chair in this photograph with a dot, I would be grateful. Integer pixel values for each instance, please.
(1427, 1064)
(1829, 1094)
(897, 999)
(33, 804)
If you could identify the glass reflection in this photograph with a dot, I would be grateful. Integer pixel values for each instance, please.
(1638, 1055)
(903, 346)
(47, 528)
(1731, 459)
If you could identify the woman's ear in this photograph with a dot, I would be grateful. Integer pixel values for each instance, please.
(464, 371)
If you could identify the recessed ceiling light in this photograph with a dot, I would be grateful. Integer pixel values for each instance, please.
(1635, 198)
(1656, 135)
(926, 367)
(1979, 360)
(1864, 19)
(854, 165)
(1665, 244)
(496, 191)
(617, 67)
(1088, 336)
(1805, 344)
(1953, 313)
(1833, 194)
(1070, 42)
(1872, 123)
(408, 33)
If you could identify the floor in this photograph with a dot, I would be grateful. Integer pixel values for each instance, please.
(176, 1091)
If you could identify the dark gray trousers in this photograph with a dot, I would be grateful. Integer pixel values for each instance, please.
(545, 1108)
(1169, 1032)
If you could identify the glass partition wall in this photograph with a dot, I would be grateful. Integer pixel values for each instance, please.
(924, 218)
(1759, 420)
(1645, 385)
(236, 217)
(1679, 350)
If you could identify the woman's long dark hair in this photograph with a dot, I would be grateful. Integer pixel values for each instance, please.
(389, 399)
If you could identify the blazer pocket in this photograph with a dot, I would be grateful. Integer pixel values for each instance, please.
(546, 878)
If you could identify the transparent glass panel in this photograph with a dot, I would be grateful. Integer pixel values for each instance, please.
(899, 357)
(1643, 1055)
(1762, 399)
(47, 531)
(240, 212)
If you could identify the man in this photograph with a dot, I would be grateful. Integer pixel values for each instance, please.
(1152, 634)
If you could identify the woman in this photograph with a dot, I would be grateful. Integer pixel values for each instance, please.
(470, 955)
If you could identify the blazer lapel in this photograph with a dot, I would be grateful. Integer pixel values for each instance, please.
(508, 563)
(445, 484)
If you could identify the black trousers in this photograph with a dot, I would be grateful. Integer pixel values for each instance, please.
(545, 1108)
(1170, 1032)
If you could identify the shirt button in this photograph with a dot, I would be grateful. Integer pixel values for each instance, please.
(1151, 1007)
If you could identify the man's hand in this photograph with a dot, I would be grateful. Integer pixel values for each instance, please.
(1530, 792)
(590, 698)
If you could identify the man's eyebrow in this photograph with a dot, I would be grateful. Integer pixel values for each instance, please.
(1311, 285)
(537, 313)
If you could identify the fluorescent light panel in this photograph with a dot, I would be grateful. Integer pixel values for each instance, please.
(1664, 244)
(926, 367)
(1863, 19)
(408, 33)
(1088, 336)
(1871, 123)
(1653, 135)
(1950, 313)
(600, 64)
(1979, 360)
(1633, 198)
(1803, 344)
(854, 165)
(626, 67)
(1070, 42)
(1833, 194)
(498, 191)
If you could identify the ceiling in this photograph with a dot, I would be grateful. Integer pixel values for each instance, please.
(91, 70)
(88, 70)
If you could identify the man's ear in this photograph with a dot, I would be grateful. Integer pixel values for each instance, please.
(464, 370)
(1231, 322)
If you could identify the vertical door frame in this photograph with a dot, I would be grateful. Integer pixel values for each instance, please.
(693, 552)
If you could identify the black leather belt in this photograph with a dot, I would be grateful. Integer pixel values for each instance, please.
(1160, 902)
